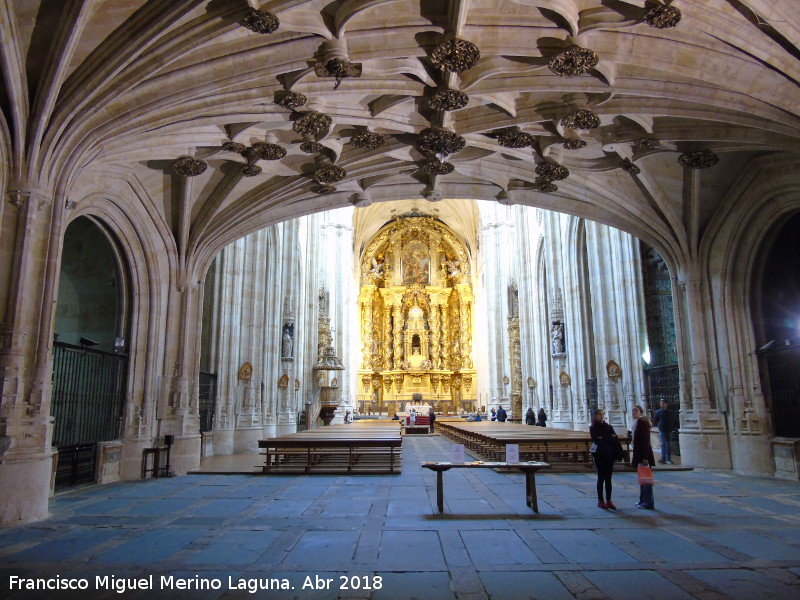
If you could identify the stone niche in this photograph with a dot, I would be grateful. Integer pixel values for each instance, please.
(786, 454)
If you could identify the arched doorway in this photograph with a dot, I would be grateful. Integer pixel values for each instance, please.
(779, 335)
(90, 363)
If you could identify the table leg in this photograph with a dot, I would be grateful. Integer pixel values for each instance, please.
(530, 491)
(439, 491)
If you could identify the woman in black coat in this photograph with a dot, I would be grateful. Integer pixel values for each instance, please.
(605, 443)
(530, 418)
(541, 418)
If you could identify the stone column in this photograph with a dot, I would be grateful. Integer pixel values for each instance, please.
(704, 442)
(29, 238)
(179, 412)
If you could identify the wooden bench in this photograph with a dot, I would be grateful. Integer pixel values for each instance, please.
(335, 449)
(529, 468)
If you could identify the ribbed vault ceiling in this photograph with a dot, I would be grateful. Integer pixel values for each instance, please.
(107, 94)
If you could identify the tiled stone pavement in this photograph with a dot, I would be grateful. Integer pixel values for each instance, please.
(713, 536)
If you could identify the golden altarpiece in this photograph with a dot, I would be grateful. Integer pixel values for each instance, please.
(415, 307)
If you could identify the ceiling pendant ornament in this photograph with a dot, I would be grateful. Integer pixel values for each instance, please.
(338, 68)
(189, 166)
(455, 55)
(251, 170)
(324, 190)
(644, 144)
(448, 100)
(234, 147)
(581, 119)
(265, 151)
(663, 17)
(514, 138)
(292, 100)
(329, 174)
(440, 141)
(631, 168)
(311, 147)
(312, 124)
(700, 159)
(368, 140)
(549, 172)
(573, 61)
(431, 194)
(434, 166)
(261, 21)
(574, 144)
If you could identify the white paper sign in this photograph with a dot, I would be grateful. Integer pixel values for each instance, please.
(512, 453)
(458, 453)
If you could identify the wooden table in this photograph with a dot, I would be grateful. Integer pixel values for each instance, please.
(529, 468)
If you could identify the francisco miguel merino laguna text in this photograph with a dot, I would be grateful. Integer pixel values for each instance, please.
(165, 582)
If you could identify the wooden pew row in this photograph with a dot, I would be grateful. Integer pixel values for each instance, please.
(335, 449)
(488, 440)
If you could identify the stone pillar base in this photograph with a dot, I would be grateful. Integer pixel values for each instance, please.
(705, 450)
(752, 455)
(25, 489)
(185, 454)
(223, 441)
(786, 457)
(246, 440)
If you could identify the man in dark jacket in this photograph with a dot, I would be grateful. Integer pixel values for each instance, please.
(431, 418)
(664, 420)
(501, 414)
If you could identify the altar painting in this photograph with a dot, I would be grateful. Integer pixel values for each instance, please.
(416, 263)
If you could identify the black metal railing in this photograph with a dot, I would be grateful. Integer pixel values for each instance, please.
(207, 392)
(591, 396)
(87, 402)
(663, 383)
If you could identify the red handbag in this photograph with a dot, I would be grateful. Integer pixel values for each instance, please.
(645, 475)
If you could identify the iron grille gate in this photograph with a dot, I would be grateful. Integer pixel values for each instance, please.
(663, 382)
(591, 397)
(208, 400)
(784, 380)
(88, 397)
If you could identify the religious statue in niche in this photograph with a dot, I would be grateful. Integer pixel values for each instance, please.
(377, 270)
(612, 370)
(246, 372)
(415, 263)
(557, 337)
(453, 268)
(287, 341)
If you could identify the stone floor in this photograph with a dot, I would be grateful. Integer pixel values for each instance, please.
(712, 536)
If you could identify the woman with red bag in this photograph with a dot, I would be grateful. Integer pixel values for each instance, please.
(643, 455)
